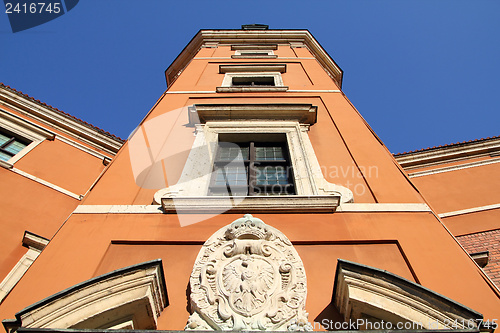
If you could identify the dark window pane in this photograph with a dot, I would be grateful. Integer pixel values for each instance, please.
(253, 81)
(271, 175)
(252, 168)
(4, 157)
(3, 139)
(15, 147)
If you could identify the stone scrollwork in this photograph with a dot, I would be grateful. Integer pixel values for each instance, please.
(248, 276)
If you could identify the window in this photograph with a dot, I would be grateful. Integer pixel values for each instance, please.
(11, 144)
(286, 175)
(252, 82)
(259, 167)
(18, 136)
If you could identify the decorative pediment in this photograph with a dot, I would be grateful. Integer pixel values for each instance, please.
(248, 276)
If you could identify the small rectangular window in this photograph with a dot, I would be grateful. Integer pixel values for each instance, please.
(257, 167)
(11, 144)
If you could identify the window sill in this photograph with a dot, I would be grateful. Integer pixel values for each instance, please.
(264, 56)
(254, 204)
(250, 89)
(5, 164)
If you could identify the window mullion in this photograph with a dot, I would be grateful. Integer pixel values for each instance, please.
(8, 142)
(252, 178)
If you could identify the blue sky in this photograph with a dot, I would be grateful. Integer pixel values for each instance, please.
(422, 73)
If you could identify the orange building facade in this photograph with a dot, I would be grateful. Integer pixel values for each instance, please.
(48, 154)
(254, 196)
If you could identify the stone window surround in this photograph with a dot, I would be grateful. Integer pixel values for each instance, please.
(26, 130)
(190, 194)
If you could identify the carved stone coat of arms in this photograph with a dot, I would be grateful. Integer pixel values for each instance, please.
(248, 276)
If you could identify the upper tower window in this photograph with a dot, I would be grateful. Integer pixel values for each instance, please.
(252, 78)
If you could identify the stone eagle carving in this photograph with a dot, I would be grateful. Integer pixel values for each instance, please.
(248, 276)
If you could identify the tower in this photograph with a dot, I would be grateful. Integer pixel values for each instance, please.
(270, 202)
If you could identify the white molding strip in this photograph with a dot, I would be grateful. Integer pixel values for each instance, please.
(17, 272)
(261, 204)
(213, 91)
(118, 209)
(46, 183)
(191, 92)
(469, 210)
(314, 91)
(382, 207)
(345, 207)
(453, 168)
(247, 57)
(35, 245)
(448, 154)
(82, 147)
(59, 121)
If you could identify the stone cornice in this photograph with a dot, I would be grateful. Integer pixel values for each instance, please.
(255, 204)
(303, 113)
(31, 240)
(59, 121)
(245, 68)
(448, 154)
(295, 37)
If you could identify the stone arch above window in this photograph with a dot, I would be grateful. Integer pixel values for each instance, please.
(132, 297)
(372, 295)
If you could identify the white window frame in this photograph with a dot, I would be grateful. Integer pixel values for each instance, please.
(227, 82)
(228, 77)
(22, 128)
